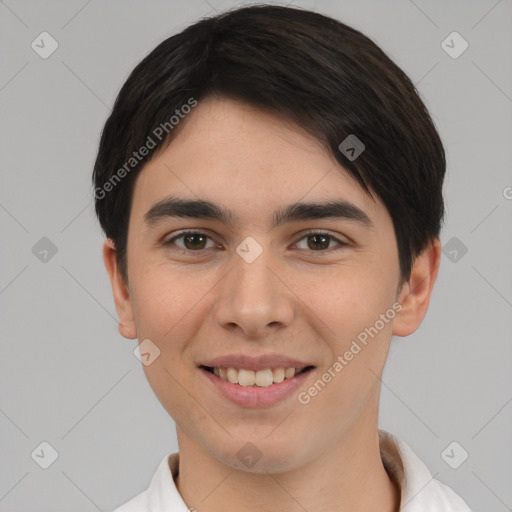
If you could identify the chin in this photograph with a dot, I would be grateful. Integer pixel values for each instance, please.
(261, 455)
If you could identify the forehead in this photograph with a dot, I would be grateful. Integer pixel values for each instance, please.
(248, 161)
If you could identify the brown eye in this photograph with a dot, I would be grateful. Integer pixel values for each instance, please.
(320, 241)
(193, 241)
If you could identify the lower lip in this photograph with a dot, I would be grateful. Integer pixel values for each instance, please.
(255, 396)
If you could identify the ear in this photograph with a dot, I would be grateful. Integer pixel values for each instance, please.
(120, 292)
(415, 294)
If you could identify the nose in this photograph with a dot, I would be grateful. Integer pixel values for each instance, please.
(254, 298)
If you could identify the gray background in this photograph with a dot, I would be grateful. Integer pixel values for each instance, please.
(68, 377)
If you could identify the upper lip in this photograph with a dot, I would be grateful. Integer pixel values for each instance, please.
(254, 363)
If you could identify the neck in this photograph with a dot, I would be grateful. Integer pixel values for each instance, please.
(349, 477)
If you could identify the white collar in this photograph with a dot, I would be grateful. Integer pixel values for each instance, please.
(420, 492)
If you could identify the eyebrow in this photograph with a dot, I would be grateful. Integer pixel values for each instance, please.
(174, 207)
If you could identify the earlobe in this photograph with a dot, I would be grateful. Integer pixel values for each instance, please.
(120, 292)
(415, 294)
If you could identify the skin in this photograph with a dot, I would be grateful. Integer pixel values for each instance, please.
(294, 299)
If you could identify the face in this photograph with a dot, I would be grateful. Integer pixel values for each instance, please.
(247, 286)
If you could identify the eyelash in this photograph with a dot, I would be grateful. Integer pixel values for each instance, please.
(201, 251)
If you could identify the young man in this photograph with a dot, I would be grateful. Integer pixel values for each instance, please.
(270, 186)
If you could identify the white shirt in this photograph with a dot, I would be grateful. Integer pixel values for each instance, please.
(420, 492)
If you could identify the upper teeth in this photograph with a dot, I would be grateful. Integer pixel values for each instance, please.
(260, 378)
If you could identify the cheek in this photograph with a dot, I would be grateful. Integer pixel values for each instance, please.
(165, 311)
(347, 313)
(348, 299)
(350, 303)
(161, 302)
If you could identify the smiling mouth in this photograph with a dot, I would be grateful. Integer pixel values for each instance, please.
(261, 378)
